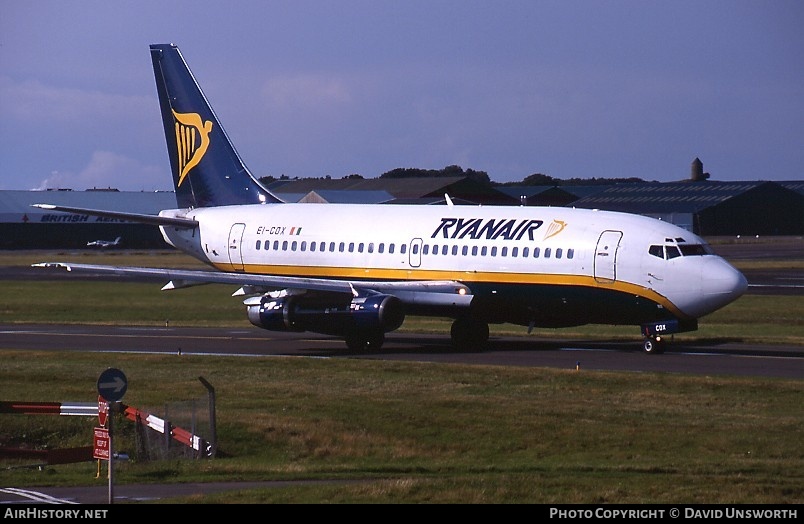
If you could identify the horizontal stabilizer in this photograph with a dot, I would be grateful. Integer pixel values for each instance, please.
(139, 218)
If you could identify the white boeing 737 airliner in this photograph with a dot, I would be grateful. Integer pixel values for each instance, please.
(355, 271)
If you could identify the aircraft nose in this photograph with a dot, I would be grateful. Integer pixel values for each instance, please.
(722, 283)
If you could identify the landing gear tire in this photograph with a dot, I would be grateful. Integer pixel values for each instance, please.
(653, 345)
(469, 334)
(361, 342)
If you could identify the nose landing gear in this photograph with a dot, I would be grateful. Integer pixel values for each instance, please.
(655, 345)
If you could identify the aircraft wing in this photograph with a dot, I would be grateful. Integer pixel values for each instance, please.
(432, 293)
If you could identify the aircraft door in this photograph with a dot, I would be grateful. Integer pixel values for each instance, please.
(235, 241)
(606, 256)
(415, 252)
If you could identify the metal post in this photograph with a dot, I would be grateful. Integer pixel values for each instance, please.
(111, 410)
(213, 439)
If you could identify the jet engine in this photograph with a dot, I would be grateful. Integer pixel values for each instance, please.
(372, 314)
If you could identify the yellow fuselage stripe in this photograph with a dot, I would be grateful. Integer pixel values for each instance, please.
(466, 277)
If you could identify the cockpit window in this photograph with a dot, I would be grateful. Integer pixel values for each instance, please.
(689, 250)
(673, 250)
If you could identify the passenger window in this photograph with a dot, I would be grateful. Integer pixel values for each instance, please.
(494, 251)
(454, 250)
(514, 251)
(559, 252)
(360, 247)
(293, 246)
(304, 245)
(371, 247)
(276, 245)
(484, 251)
(403, 249)
(258, 244)
(391, 248)
(525, 252)
(381, 248)
(535, 252)
(341, 247)
(474, 251)
(444, 250)
(285, 245)
(570, 253)
(547, 252)
(504, 252)
(351, 247)
(465, 250)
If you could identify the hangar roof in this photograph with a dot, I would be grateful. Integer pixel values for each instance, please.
(794, 185)
(406, 188)
(658, 197)
(15, 206)
(398, 187)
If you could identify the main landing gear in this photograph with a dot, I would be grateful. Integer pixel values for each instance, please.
(365, 341)
(469, 334)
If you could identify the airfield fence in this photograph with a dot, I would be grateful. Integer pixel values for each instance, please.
(176, 435)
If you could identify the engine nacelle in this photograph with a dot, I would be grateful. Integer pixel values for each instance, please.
(373, 313)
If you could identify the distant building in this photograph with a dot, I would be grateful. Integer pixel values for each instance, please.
(709, 208)
(705, 207)
(424, 189)
(557, 196)
(25, 227)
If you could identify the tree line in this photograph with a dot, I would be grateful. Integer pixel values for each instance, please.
(481, 177)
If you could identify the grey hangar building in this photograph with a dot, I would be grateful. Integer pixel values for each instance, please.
(707, 208)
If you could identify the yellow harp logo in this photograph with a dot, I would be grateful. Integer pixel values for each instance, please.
(192, 140)
(555, 227)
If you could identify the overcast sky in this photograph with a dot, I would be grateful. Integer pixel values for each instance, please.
(568, 88)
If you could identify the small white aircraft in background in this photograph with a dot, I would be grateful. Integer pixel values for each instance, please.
(105, 243)
(357, 270)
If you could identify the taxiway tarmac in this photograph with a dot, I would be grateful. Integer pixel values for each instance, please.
(717, 358)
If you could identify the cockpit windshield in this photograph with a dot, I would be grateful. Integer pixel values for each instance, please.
(677, 247)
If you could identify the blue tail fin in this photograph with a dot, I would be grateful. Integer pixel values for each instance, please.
(207, 171)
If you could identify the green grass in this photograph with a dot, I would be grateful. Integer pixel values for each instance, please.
(436, 433)
(415, 432)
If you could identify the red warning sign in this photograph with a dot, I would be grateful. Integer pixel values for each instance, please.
(100, 448)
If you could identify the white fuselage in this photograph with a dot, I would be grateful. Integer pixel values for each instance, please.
(490, 247)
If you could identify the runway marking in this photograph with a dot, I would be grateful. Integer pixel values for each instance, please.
(34, 495)
(196, 354)
(112, 335)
